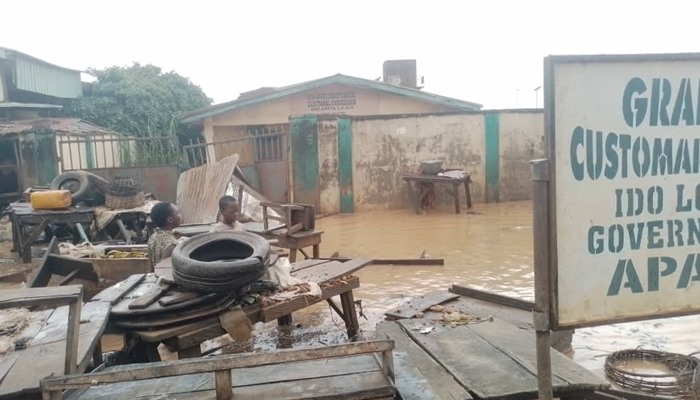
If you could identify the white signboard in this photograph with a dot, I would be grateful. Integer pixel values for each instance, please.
(624, 141)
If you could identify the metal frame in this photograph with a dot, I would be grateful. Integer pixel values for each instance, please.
(550, 224)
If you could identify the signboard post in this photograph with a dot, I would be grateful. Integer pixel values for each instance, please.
(617, 201)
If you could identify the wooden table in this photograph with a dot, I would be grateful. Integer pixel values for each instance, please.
(187, 337)
(485, 360)
(296, 241)
(59, 340)
(425, 185)
(28, 224)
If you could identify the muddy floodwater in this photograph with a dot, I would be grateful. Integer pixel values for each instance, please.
(489, 248)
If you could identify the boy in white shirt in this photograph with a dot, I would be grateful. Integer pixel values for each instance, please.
(230, 213)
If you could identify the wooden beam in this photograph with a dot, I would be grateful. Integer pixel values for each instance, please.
(493, 297)
(209, 364)
(393, 261)
(52, 296)
(222, 382)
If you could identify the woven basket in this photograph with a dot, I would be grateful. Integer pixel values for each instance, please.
(125, 202)
(124, 186)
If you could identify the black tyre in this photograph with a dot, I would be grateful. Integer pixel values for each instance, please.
(220, 261)
(81, 184)
(77, 182)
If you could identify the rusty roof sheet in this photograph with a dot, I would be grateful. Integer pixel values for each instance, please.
(199, 190)
(65, 126)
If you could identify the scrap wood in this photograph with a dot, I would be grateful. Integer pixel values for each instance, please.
(415, 307)
(392, 261)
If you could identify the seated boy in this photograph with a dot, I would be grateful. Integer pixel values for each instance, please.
(166, 217)
(230, 213)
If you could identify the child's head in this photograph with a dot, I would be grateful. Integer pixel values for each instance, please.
(228, 206)
(165, 215)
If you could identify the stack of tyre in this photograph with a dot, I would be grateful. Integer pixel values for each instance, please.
(224, 261)
(84, 187)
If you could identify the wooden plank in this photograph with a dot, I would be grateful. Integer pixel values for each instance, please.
(260, 375)
(45, 355)
(39, 296)
(479, 367)
(360, 386)
(418, 376)
(271, 313)
(306, 264)
(159, 335)
(408, 261)
(331, 270)
(116, 292)
(184, 367)
(493, 297)
(149, 297)
(222, 381)
(72, 332)
(410, 308)
(196, 337)
(567, 376)
(177, 298)
(43, 273)
(64, 265)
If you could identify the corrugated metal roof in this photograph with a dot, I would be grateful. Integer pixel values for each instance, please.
(66, 126)
(44, 79)
(199, 190)
(34, 75)
(267, 94)
(29, 105)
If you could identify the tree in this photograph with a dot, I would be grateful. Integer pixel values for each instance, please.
(140, 100)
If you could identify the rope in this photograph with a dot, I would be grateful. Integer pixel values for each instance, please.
(682, 382)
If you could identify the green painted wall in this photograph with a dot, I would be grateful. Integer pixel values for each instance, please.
(304, 136)
(491, 130)
(347, 204)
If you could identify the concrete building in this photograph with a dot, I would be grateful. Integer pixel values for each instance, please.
(342, 143)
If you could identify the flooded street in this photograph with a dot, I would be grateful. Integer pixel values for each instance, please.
(489, 249)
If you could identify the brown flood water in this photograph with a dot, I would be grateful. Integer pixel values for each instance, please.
(491, 249)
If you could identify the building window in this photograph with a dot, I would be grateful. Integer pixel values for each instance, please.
(269, 141)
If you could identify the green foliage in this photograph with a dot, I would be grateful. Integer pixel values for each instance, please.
(140, 100)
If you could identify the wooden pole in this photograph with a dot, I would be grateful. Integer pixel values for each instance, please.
(540, 200)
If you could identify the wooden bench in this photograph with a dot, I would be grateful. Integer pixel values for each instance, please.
(348, 371)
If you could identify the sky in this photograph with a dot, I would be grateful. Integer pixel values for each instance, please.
(490, 52)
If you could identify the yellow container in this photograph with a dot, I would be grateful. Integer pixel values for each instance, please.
(51, 199)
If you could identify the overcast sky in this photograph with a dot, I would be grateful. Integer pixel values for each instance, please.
(488, 52)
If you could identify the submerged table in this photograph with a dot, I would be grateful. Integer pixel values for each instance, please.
(425, 185)
(28, 223)
(185, 337)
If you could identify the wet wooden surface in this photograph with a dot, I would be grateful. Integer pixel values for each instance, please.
(495, 360)
(418, 375)
(419, 304)
(21, 370)
(335, 372)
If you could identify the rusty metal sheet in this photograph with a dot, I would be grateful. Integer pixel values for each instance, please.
(160, 180)
(199, 190)
(72, 126)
